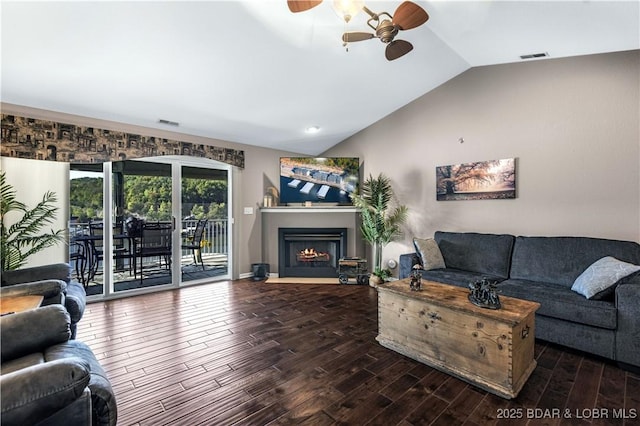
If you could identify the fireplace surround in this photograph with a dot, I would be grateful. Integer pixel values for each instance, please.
(274, 218)
(310, 252)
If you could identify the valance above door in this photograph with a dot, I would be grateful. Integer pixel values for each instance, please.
(24, 137)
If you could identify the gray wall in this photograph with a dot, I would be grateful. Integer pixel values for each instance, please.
(572, 124)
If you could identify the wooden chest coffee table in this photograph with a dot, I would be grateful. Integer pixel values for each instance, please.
(492, 349)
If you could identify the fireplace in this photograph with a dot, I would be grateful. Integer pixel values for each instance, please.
(310, 252)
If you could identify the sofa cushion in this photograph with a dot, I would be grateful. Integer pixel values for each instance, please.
(429, 252)
(558, 301)
(56, 271)
(33, 331)
(602, 276)
(76, 301)
(488, 254)
(456, 277)
(561, 260)
(103, 401)
(51, 290)
(22, 362)
(34, 393)
(595, 340)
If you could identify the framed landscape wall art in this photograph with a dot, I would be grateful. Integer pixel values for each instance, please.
(482, 180)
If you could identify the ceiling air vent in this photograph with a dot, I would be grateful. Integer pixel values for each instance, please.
(169, 123)
(534, 55)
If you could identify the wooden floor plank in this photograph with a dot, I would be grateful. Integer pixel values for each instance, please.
(631, 412)
(585, 389)
(401, 407)
(487, 411)
(461, 407)
(427, 412)
(245, 352)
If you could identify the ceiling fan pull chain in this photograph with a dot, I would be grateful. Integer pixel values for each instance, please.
(345, 43)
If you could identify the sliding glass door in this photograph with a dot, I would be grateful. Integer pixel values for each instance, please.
(167, 223)
(86, 209)
(143, 227)
(205, 223)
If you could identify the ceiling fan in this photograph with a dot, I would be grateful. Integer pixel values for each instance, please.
(407, 16)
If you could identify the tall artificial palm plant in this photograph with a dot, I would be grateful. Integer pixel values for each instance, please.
(23, 238)
(381, 221)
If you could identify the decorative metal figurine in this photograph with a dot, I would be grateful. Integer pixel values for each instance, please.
(484, 294)
(416, 280)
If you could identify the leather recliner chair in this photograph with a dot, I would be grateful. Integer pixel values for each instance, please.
(51, 281)
(47, 379)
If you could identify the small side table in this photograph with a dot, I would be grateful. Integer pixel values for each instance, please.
(14, 304)
(352, 267)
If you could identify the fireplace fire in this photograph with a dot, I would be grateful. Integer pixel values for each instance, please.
(312, 255)
(310, 252)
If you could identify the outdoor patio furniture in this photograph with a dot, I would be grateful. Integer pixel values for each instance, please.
(78, 258)
(195, 242)
(154, 242)
(121, 250)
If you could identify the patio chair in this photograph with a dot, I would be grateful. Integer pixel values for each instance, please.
(120, 250)
(154, 242)
(195, 242)
(78, 258)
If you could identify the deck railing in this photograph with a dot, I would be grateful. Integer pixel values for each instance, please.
(214, 241)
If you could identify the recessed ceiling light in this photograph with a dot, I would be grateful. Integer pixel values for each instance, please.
(312, 129)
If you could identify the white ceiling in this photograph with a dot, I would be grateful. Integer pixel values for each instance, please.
(252, 72)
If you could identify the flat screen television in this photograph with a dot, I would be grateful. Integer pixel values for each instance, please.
(318, 180)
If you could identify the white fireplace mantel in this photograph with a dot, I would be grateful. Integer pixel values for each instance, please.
(312, 209)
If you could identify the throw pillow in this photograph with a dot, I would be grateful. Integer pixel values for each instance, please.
(602, 276)
(429, 253)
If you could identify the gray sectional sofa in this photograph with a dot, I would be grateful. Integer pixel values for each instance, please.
(543, 269)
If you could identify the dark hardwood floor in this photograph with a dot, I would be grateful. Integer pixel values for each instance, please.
(252, 353)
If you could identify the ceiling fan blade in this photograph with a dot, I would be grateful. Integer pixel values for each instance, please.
(356, 36)
(301, 5)
(397, 48)
(409, 15)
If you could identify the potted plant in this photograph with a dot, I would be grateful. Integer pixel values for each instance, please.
(24, 238)
(380, 220)
(379, 275)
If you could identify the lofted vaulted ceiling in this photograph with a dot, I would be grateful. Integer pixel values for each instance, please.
(252, 72)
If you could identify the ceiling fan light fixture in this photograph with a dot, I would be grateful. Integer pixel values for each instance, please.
(347, 9)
